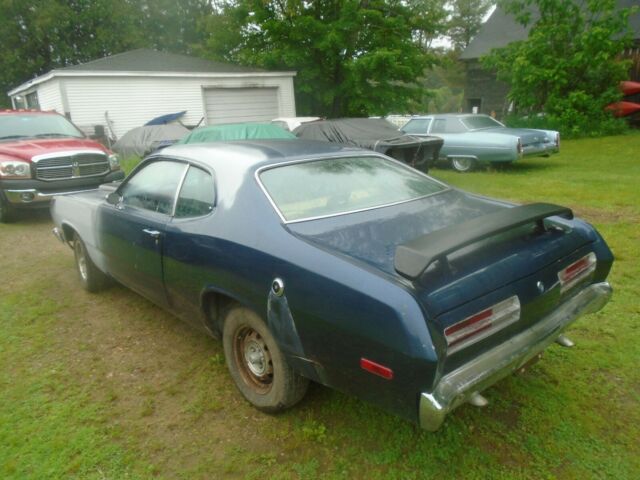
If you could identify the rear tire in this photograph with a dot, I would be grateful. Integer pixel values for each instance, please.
(463, 164)
(92, 278)
(257, 366)
(6, 212)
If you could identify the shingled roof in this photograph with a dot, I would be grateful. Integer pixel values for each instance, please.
(502, 28)
(147, 60)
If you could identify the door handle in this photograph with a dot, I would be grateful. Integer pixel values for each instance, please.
(153, 233)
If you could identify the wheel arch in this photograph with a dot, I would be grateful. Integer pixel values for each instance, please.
(215, 302)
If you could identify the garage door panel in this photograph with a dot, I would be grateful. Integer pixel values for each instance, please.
(229, 105)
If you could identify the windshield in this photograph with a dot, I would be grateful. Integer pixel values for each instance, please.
(336, 186)
(480, 121)
(36, 126)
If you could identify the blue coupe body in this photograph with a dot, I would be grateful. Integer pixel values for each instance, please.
(416, 304)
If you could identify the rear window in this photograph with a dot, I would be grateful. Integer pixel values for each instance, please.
(417, 126)
(481, 121)
(337, 186)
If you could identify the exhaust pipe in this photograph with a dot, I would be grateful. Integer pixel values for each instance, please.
(564, 341)
(478, 400)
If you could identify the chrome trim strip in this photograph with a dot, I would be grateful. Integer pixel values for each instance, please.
(177, 194)
(458, 386)
(14, 196)
(258, 171)
(69, 153)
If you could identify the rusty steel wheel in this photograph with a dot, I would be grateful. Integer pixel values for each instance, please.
(258, 367)
(253, 358)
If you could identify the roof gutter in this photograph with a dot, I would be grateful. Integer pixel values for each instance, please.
(98, 73)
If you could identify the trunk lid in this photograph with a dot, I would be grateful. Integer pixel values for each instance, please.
(513, 262)
(528, 136)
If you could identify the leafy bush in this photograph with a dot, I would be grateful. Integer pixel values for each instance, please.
(569, 66)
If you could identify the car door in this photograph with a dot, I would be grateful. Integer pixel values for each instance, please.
(191, 246)
(132, 230)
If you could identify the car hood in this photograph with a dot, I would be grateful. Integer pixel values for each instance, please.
(371, 238)
(27, 149)
(527, 135)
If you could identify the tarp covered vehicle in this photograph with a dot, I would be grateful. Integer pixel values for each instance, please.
(378, 135)
(142, 141)
(236, 131)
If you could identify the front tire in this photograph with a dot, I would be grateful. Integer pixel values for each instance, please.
(463, 164)
(92, 278)
(257, 366)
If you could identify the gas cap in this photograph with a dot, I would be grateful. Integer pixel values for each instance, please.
(277, 287)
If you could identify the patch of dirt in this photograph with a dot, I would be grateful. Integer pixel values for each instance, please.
(166, 387)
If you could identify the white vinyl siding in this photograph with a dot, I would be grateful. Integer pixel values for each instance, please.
(233, 105)
(133, 100)
(49, 96)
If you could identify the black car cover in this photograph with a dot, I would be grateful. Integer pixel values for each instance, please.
(375, 134)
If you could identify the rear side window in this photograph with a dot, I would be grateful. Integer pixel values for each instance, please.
(154, 187)
(197, 195)
(417, 126)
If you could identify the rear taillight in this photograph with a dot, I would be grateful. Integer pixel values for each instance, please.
(482, 324)
(577, 271)
(557, 140)
(519, 147)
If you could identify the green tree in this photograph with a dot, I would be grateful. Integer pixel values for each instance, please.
(352, 57)
(40, 35)
(465, 20)
(570, 65)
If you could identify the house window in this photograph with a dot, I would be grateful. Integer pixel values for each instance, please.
(32, 100)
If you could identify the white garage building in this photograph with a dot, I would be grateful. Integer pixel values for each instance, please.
(133, 87)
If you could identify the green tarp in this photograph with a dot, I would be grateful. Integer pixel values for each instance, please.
(235, 131)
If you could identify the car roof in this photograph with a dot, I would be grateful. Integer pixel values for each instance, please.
(9, 111)
(257, 153)
(448, 115)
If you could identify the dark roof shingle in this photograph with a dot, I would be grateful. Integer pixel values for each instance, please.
(147, 60)
(502, 28)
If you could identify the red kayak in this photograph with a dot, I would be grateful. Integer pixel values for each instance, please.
(623, 109)
(629, 88)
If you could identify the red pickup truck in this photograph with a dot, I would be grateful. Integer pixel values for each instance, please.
(43, 154)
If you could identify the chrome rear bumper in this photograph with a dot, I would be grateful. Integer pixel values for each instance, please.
(458, 386)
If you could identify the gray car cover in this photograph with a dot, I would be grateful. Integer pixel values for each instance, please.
(143, 140)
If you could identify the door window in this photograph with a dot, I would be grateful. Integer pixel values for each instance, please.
(420, 125)
(154, 187)
(197, 196)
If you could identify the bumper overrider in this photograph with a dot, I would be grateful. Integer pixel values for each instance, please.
(462, 384)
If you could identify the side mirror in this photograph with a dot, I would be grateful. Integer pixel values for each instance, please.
(114, 198)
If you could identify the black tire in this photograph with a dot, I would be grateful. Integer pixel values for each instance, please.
(6, 212)
(267, 382)
(91, 277)
(463, 164)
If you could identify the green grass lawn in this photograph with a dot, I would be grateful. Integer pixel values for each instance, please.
(110, 387)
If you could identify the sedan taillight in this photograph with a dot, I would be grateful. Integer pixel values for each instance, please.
(482, 324)
(577, 271)
(519, 147)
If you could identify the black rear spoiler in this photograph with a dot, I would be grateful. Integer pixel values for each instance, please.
(414, 257)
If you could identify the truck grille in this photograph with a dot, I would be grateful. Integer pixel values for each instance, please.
(72, 166)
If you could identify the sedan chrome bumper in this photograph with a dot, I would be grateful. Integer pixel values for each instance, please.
(460, 385)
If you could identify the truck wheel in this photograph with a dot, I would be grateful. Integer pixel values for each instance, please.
(463, 164)
(6, 213)
(91, 277)
(257, 366)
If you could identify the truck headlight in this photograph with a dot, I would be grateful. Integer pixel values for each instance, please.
(15, 169)
(114, 162)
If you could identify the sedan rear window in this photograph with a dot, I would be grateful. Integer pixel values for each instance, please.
(335, 186)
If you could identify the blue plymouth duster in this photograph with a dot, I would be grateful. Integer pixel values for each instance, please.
(314, 261)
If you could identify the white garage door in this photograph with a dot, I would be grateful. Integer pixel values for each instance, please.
(232, 105)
